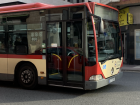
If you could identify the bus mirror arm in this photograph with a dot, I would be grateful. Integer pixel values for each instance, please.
(101, 30)
(101, 27)
(90, 14)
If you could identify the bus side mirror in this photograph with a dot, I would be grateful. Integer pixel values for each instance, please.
(101, 27)
(101, 23)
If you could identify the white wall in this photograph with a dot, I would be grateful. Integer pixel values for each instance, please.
(136, 14)
(75, 1)
(6, 1)
(54, 2)
(108, 1)
(93, 1)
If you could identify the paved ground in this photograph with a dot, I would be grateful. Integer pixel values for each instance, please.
(130, 67)
(125, 91)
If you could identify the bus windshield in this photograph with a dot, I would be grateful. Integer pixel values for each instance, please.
(109, 43)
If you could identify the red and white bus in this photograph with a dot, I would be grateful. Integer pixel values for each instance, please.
(75, 45)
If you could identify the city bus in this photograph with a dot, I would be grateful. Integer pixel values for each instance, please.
(74, 46)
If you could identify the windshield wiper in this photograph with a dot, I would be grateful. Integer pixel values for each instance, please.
(111, 57)
(108, 58)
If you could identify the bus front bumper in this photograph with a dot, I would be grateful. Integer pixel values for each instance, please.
(90, 85)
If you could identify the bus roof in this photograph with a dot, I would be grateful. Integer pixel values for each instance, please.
(38, 6)
(23, 6)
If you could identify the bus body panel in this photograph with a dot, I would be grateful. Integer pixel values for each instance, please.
(40, 65)
(111, 67)
(90, 85)
(92, 70)
(3, 64)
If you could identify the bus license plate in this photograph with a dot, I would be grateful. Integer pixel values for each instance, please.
(111, 80)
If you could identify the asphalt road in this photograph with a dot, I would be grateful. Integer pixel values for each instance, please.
(125, 91)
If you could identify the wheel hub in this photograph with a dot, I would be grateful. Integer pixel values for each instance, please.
(26, 76)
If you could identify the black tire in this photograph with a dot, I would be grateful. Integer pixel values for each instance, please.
(27, 76)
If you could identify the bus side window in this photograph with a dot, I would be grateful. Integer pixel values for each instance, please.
(2, 43)
(35, 42)
(17, 39)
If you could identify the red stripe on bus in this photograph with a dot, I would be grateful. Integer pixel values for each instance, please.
(25, 56)
(3, 55)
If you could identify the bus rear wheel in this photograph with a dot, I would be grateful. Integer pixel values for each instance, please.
(27, 76)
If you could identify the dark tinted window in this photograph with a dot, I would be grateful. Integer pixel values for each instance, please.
(2, 43)
(57, 51)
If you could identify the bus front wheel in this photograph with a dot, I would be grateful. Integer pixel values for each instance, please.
(27, 76)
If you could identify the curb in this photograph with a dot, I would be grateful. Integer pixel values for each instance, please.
(131, 70)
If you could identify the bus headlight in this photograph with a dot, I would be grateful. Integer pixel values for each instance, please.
(95, 77)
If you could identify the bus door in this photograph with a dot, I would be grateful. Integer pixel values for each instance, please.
(65, 53)
(74, 51)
